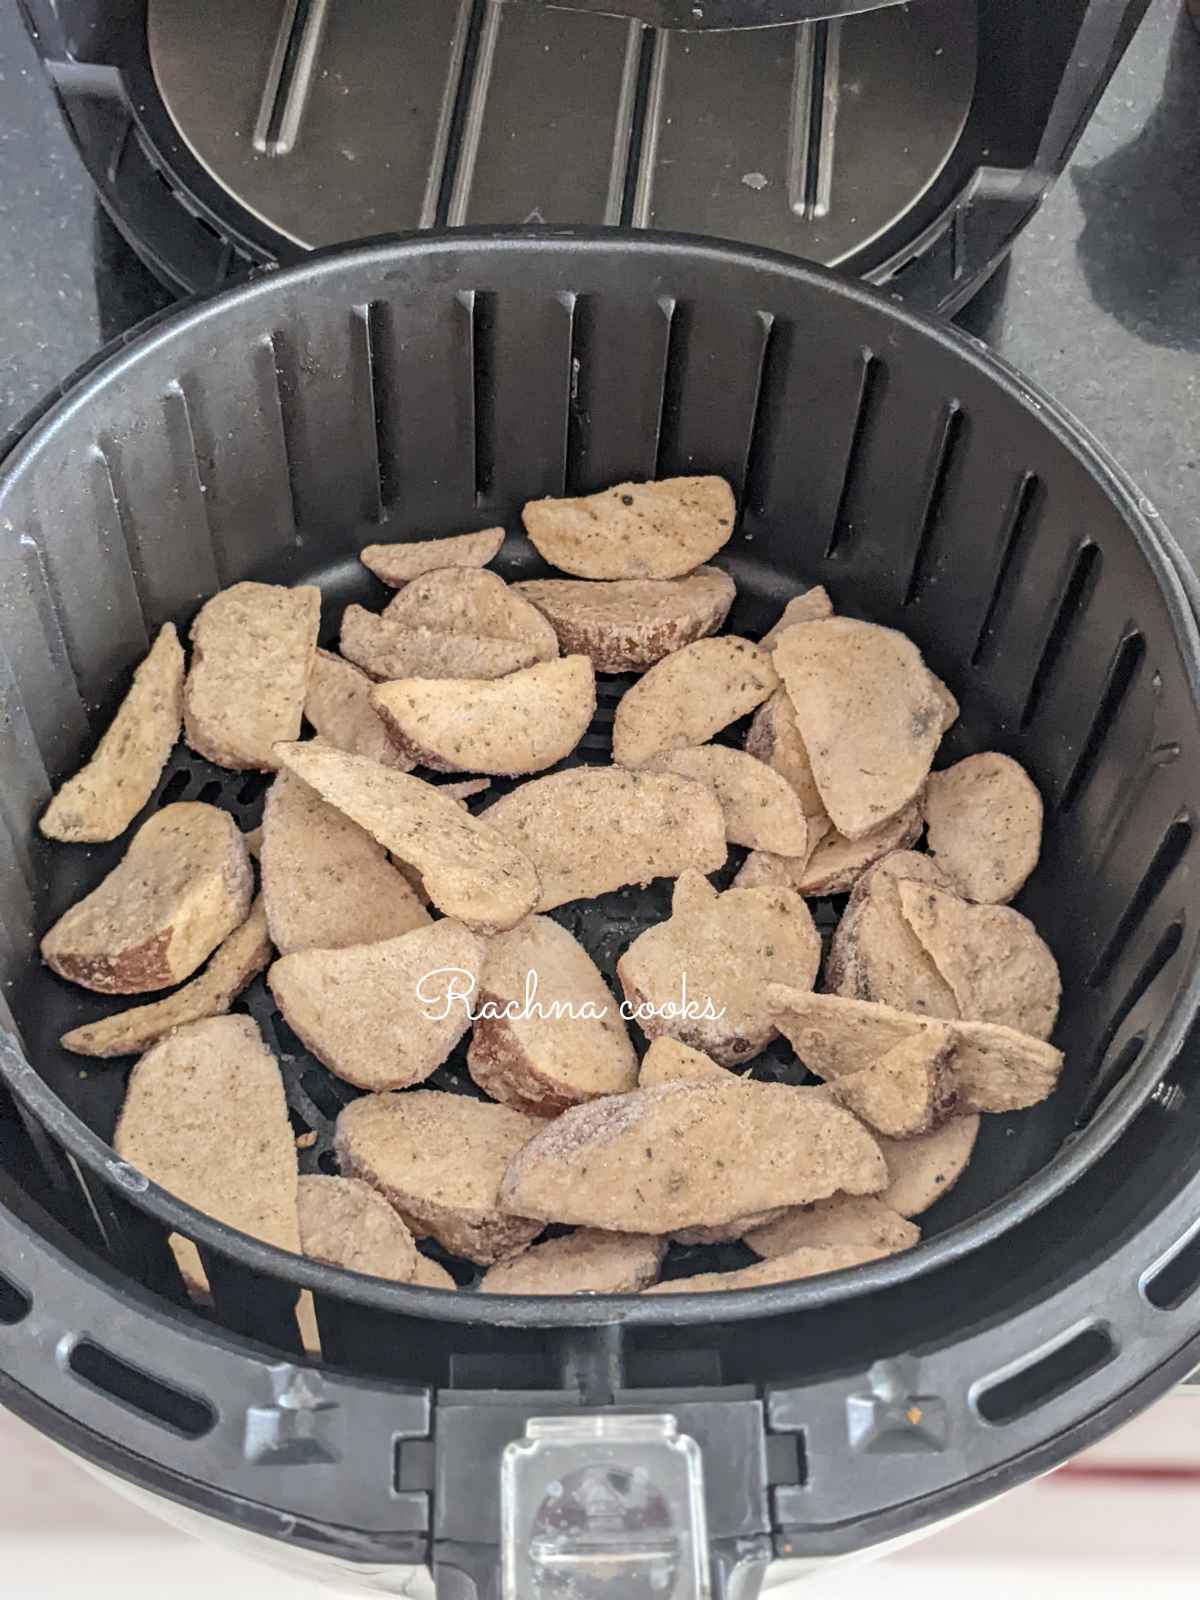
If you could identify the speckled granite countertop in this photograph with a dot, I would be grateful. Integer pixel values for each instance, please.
(1100, 303)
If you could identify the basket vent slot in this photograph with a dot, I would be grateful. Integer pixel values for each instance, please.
(175, 787)
(382, 388)
(583, 329)
(1130, 654)
(1020, 524)
(483, 381)
(255, 786)
(1084, 574)
(679, 328)
(1044, 1377)
(1115, 1073)
(771, 377)
(1167, 857)
(1176, 1278)
(161, 1402)
(953, 427)
(15, 1304)
(871, 386)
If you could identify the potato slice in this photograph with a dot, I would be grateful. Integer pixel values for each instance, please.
(949, 703)
(104, 796)
(868, 714)
(347, 1224)
(669, 1060)
(595, 829)
(385, 648)
(993, 958)
(922, 1170)
(471, 600)
(510, 726)
(908, 1091)
(994, 1068)
(469, 870)
(811, 1262)
(812, 605)
(439, 1159)
(761, 809)
(206, 1118)
(835, 863)
(688, 696)
(432, 1276)
(183, 885)
(689, 1155)
(627, 625)
(985, 826)
(562, 1040)
(398, 564)
(634, 530)
(875, 955)
(700, 976)
(588, 1261)
(843, 1219)
(384, 1015)
(252, 653)
(326, 882)
(338, 705)
(239, 959)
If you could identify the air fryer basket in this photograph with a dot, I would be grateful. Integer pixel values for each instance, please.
(429, 386)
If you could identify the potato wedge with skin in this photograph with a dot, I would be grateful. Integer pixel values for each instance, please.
(761, 809)
(844, 1219)
(242, 956)
(105, 795)
(634, 530)
(687, 697)
(338, 705)
(183, 885)
(700, 976)
(562, 1040)
(999, 967)
(985, 826)
(252, 653)
(835, 864)
(910, 1089)
(398, 564)
(813, 605)
(382, 1016)
(994, 1068)
(588, 1261)
(874, 953)
(344, 1222)
(689, 1155)
(468, 869)
(922, 1170)
(810, 1262)
(668, 1060)
(432, 1276)
(386, 648)
(773, 737)
(474, 601)
(868, 714)
(595, 829)
(326, 882)
(439, 1160)
(626, 625)
(523, 723)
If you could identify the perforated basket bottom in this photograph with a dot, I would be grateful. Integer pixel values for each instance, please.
(1008, 1148)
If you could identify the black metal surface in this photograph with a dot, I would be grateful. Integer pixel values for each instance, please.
(698, 15)
(248, 376)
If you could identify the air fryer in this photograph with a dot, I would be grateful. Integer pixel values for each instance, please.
(903, 143)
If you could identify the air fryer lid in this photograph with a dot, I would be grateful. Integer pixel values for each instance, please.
(430, 386)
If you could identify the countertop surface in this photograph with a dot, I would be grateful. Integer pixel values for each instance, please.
(1100, 302)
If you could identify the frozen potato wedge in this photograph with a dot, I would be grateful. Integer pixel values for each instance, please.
(835, 864)
(588, 1261)
(474, 601)
(874, 953)
(634, 530)
(909, 1090)
(813, 605)
(727, 949)
(985, 826)
(399, 563)
(594, 829)
(338, 705)
(843, 1219)
(510, 726)
(468, 869)
(688, 696)
(690, 1154)
(761, 808)
(868, 714)
(808, 1262)
(668, 1060)
(626, 625)
(386, 648)
(773, 737)
(105, 795)
(922, 1170)
(344, 1222)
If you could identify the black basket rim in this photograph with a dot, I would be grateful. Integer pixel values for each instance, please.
(1177, 584)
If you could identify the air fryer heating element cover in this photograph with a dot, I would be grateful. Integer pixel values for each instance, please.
(431, 385)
